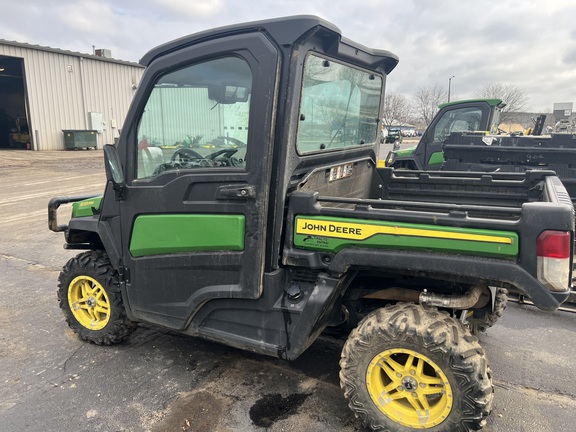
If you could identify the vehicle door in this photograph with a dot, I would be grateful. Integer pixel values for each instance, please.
(197, 173)
(460, 118)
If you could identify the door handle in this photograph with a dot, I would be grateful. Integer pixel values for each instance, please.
(231, 192)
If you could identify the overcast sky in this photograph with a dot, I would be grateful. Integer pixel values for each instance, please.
(530, 44)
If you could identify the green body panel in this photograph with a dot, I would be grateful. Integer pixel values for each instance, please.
(406, 152)
(177, 233)
(334, 234)
(88, 207)
(436, 158)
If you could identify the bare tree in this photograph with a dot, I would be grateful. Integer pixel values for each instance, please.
(396, 109)
(514, 98)
(426, 102)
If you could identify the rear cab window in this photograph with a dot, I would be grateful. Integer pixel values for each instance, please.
(340, 106)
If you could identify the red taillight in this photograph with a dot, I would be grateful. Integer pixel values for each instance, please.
(553, 264)
(554, 244)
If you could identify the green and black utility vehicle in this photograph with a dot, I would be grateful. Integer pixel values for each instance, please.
(394, 136)
(477, 115)
(274, 224)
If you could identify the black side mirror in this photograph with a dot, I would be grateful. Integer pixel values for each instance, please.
(114, 172)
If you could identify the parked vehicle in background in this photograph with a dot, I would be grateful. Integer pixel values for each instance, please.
(459, 116)
(394, 135)
(409, 133)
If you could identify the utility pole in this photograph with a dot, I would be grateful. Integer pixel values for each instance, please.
(450, 85)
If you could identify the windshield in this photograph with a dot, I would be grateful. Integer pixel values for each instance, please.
(495, 120)
(340, 106)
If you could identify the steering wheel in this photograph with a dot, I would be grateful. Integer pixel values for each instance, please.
(227, 157)
(186, 154)
(227, 152)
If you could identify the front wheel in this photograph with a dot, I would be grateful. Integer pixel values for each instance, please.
(89, 295)
(406, 368)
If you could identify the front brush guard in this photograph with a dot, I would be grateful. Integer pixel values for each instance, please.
(53, 210)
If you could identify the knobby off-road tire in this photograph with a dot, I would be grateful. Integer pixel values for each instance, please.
(407, 368)
(89, 295)
(480, 321)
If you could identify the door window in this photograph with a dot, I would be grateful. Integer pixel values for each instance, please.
(196, 118)
(458, 120)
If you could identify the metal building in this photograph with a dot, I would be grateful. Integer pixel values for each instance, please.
(46, 91)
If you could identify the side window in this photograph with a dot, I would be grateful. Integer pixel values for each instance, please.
(458, 120)
(339, 106)
(196, 117)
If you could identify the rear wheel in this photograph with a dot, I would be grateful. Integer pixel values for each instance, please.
(408, 368)
(89, 295)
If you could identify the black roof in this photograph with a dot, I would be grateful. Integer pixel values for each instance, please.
(284, 31)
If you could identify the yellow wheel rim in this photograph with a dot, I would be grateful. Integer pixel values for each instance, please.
(89, 302)
(409, 388)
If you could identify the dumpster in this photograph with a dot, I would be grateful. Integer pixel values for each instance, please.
(80, 139)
